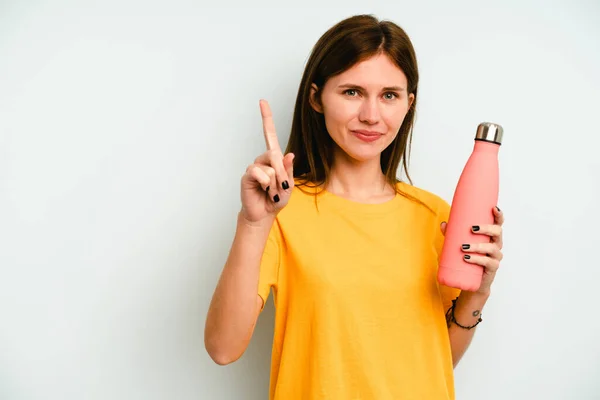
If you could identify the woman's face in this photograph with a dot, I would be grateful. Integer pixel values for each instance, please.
(364, 107)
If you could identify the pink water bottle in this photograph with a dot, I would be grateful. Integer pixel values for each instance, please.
(475, 197)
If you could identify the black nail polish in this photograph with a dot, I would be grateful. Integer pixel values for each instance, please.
(276, 198)
(285, 185)
(497, 208)
(467, 257)
(267, 189)
(475, 228)
(466, 246)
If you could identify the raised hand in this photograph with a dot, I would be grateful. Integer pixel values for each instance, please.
(267, 184)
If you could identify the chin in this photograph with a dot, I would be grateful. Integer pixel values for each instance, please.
(361, 151)
(364, 154)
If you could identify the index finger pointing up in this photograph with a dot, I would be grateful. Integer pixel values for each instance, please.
(269, 126)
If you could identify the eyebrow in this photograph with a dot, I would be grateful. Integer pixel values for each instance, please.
(388, 88)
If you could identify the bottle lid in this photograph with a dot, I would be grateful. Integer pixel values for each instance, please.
(490, 132)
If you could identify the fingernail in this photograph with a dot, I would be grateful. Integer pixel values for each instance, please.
(467, 257)
(267, 189)
(475, 228)
(276, 198)
(497, 208)
(466, 247)
(285, 185)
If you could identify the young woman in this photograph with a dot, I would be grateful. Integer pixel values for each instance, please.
(350, 251)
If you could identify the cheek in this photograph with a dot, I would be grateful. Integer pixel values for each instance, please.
(395, 117)
(338, 115)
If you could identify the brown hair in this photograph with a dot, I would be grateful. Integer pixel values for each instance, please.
(348, 42)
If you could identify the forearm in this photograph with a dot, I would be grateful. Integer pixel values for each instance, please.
(234, 308)
(466, 312)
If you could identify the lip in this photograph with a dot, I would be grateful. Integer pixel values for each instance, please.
(367, 133)
(367, 136)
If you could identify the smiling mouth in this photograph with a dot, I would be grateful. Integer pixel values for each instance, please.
(367, 136)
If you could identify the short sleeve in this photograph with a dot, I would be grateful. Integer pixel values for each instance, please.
(447, 293)
(269, 265)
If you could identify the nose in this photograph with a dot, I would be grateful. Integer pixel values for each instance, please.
(369, 111)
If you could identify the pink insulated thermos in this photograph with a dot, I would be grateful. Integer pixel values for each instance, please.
(475, 197)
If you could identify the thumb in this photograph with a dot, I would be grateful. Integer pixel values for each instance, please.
(443, 226)
(288, 164)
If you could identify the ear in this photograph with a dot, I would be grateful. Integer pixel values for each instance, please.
(411, 99)
(314, 101)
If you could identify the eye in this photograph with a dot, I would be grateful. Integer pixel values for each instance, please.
(351, 92)
(390, 95)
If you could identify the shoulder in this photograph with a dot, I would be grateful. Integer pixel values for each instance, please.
(429, 199)
(302, 200)
(304, 193)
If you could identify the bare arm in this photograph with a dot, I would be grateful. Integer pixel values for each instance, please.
(265, 189)
(467, 311)
(470, 304)
(235, 305)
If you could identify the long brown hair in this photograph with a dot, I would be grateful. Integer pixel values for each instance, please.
(348, 42)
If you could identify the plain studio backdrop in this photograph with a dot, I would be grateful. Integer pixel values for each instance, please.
(125, 127)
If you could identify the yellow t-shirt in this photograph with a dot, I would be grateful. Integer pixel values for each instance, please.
(359, 313)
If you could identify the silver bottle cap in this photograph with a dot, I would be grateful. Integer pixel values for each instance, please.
(489, 132)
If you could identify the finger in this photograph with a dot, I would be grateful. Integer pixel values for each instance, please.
(274, 159)
(259, 176)
(490, 264)
(494, 231)
(488, 249)
(443, 227)
(498, 216)
(272, 187)
(288, 165)
(269, 127)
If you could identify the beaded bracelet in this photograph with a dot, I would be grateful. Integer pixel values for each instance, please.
(450, 317)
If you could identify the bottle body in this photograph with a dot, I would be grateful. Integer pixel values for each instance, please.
(475, 197)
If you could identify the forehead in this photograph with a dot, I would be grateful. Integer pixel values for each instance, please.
(378, 70)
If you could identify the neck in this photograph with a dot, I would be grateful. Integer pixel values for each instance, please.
(358, 180)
